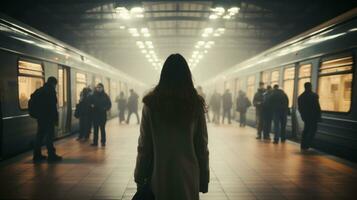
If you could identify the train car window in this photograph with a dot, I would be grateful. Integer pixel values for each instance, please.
(97, 80)
(30, 77)
(274, 78)
(106, 85)
(81, 82)
(113, 90)
(60, 91)
(237, 85)
(250, 87)
(288, 83)
(304, 76)
(265, 76)
(335, 84)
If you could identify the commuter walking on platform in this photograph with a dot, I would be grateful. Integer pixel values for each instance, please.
(215, 105)
(267, 113)
(133, 106)
(100, 104)
(280, 105)
(203, 95)
(309, 108)
(227, 106)
(43, 107)
(243, 104)
(258, 104)
(121, 101)
(172, 155)
(83, 112)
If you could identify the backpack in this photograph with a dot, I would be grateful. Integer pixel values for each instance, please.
(34, 104)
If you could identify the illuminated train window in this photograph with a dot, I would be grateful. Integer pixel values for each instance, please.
(30, 77)
(288, 83)
(265, 76)
(304, 76)
(335, 84)
(275, 78)
(81, 82)
(250, 87)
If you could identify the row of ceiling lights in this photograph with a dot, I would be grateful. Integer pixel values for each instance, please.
(143, 32)
(147, 48)
(138, 12)
(220, 12)
(203, 46)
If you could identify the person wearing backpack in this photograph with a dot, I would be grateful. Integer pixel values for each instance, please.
(243, 104)
(100, 105)
(43, 107)
(82, 112)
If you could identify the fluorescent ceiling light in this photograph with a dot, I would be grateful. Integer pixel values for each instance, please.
(218, 10)
(234, 10)
(226, 17)
(213, 16)
(201, 43)
(144, 30)
(137, 10)
(208, 30)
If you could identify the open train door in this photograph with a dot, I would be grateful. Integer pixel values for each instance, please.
(304, 74)
(1, 129)
(64, 103)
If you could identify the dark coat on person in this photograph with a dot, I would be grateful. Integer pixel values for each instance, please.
(279, 101)
(100, 104)
(309, 106)
(121, 103)
(215, 102)
(243, 104)
(84, 106)
(133, 102)
(267, 103)
(258, 100)
(227, 101)
(173, 157)
(48, 98)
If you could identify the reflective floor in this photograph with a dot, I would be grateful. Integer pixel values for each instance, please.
(241, 168)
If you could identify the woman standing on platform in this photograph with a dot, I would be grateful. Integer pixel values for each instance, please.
(172, 152)
(121, 107)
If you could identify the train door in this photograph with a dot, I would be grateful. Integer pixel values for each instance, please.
(288, 85)
(64, 113)
(303, 74)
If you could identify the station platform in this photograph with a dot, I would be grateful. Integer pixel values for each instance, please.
(242, 168)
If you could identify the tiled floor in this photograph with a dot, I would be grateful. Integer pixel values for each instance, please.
(241, 168)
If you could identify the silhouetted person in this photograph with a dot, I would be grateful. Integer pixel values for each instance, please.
(243, 104)
(227, 105)
(202, 94)
(172, 151)
(258, 104)
(280, 105)
(121, 101)
(83, 112)
(309, 108)
(215, 105)
(47, 118)
(267, 113)
(133, 106)
(100, 104)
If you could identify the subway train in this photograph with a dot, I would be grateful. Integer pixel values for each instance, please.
(326, 56)
(28, 57)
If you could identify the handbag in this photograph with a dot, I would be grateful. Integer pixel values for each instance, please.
(144, 193)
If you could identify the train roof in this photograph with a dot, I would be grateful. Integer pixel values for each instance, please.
(72, 52)
(281, 49)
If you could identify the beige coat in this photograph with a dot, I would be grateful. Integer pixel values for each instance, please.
(176, 160)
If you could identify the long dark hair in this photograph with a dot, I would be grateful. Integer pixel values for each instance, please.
(175, 97)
